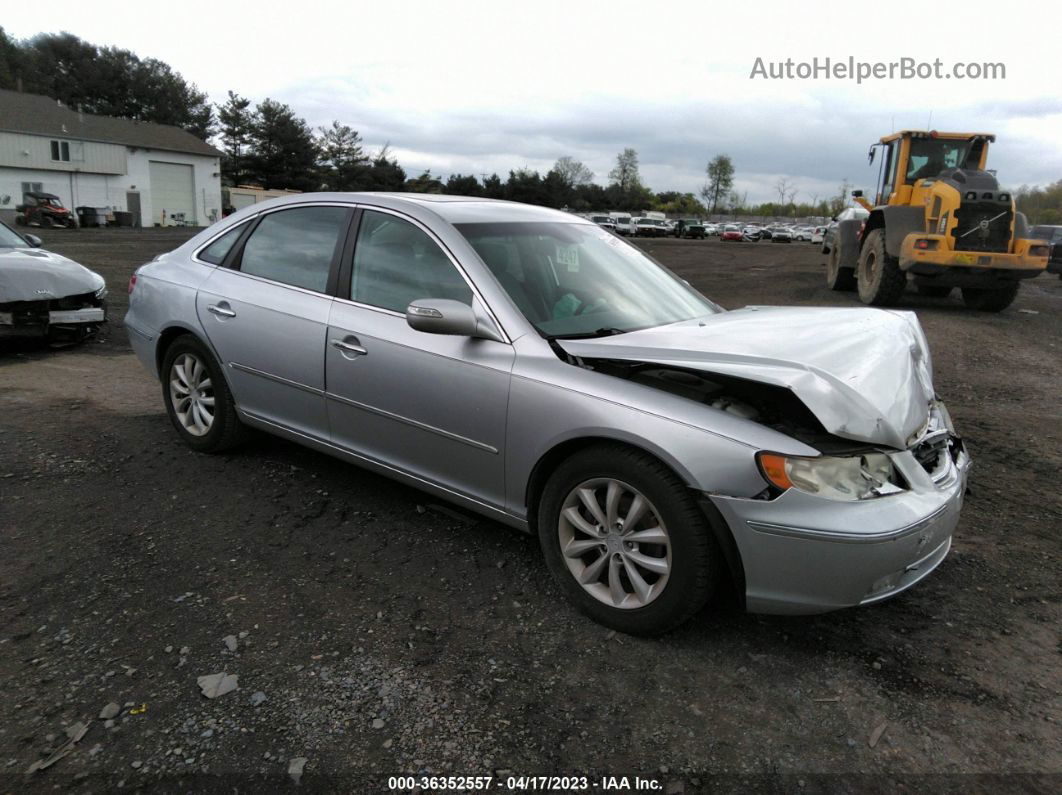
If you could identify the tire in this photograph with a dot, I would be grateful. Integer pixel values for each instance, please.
(46, 221)
(689, 554)
(880, 280)
(224, 431)
(990, 300)
(838, 278)
(933, 290)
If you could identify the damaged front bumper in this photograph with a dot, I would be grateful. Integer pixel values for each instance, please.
(79, 315)
(803, 554)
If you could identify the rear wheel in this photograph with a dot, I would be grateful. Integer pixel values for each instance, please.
(934, 290)
(990, 300)
(838, 278)
(881, 282)
(625, 540)
(197, 398)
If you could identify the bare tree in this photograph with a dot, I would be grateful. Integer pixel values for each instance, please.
(573, 172)
(783, 187)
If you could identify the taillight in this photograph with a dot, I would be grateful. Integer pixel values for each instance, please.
(132, 283)
(926, 244)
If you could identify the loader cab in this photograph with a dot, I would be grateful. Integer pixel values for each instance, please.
(913, 155)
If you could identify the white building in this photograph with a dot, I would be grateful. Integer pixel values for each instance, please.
(162, 174)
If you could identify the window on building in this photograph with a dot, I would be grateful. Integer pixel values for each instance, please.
(61, 151)
(32, 187)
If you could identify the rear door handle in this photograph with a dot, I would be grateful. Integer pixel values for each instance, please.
(350, 345)
(221, 310)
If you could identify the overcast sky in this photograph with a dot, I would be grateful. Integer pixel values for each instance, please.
(479, 87)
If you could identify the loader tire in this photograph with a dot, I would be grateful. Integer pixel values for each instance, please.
(838, 278)
(881, 282)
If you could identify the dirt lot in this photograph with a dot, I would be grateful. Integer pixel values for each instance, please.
(375, 635)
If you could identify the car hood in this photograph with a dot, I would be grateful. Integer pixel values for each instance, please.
(32, 274)
(864, 373)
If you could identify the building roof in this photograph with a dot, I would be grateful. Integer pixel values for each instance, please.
(40, 115)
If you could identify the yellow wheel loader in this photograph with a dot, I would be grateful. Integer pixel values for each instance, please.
(940, 221)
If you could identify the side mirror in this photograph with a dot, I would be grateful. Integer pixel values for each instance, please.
(442, 316)
(33, 240)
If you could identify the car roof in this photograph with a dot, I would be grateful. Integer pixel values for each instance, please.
(454, 209)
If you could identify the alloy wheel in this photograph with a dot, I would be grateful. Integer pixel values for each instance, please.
(192, 394)
(614, 543)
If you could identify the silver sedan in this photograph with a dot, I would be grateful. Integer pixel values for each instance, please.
(528, 365)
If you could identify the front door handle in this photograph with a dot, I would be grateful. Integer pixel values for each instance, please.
(221, 310)
(350, 345)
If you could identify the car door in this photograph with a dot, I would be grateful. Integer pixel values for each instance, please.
(431, 405)
(266, 313)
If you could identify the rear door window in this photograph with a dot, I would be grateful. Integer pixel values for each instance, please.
(216, 252)
(296, 247)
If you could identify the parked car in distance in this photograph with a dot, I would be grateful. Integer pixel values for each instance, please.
(751, 233)
(690, 228)
(712, 230)
(817, 234)
(624, 225)
(847, 214)
(766, 233)
(1053, 235)
(541, 371)
(650, 227)
(604, 221)
(43, 294)
(731, 232)
(781, 235)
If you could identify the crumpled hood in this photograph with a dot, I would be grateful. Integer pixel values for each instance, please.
(864, 373)
(32, 274)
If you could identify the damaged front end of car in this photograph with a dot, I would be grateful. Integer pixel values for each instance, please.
(868, 516)
(69, 319)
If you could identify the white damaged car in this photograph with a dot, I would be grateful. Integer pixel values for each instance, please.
(45, 294)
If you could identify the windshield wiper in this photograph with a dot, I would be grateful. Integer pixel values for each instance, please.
(607, 331)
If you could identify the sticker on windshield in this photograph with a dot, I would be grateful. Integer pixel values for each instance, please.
(569, 256)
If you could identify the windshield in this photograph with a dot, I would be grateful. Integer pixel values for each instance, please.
(8, 239)
(930, 156)
(577, 280)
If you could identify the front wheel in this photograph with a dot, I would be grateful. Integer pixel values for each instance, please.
(197, 398)
(881, 282)
(990, 300)
(625, 540)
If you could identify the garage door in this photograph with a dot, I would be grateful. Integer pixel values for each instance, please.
(172, 191)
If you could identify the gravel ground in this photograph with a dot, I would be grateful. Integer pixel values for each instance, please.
(374, 632)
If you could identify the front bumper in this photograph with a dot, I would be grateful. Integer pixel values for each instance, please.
(1019, 265)
(39, 318)
(803, 554)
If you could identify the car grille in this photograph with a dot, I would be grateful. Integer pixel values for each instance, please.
(969, 236)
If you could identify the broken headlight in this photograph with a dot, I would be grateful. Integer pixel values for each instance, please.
(847, 478)
(101, 293)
